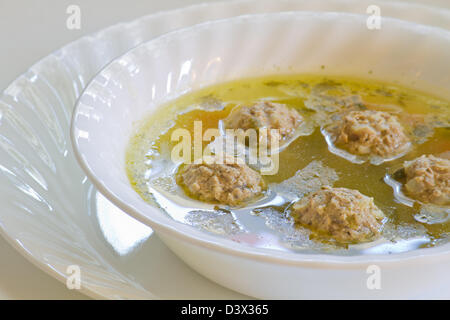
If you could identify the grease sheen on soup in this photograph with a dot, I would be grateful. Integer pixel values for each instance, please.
(306, 164)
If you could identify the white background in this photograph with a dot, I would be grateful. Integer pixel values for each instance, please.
(30, 30)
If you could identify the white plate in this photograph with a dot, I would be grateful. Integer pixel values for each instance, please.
(49, 209)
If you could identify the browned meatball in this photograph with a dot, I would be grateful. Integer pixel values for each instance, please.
(428, 179)
(343, 214)
(370, 133)
(228, 183)
(265, 115)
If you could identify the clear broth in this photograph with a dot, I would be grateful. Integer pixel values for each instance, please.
(267, 222)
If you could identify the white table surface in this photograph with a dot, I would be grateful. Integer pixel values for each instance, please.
(30, 30)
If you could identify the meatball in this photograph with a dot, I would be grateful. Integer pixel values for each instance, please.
(265, 115)
(428, 179)
(343, 214)
(226, 182)
(370, 133)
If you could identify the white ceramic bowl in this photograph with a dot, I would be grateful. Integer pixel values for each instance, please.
(136, 84)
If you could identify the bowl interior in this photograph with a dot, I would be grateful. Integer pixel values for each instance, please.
(136, 84)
